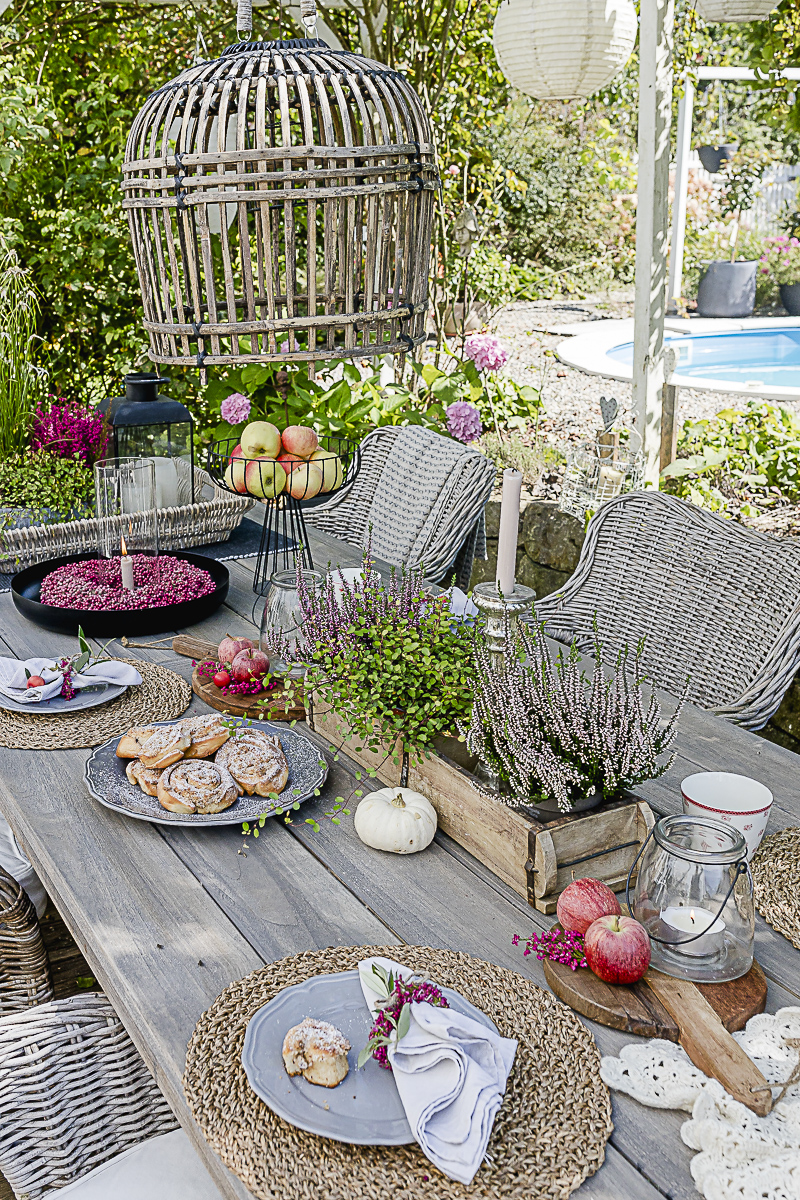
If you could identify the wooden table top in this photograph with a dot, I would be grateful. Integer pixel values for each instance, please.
(168, 917)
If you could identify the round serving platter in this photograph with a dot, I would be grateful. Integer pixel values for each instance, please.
(89, 697)
(26, 588)
(365, 1109)
(107, 782)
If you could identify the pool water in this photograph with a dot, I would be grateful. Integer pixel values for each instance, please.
(761, 357)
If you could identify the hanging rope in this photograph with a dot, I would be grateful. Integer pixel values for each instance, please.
(244, 19)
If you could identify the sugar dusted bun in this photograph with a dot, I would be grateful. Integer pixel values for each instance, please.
(256, 761)
(146, 777)
(316, 1050)
(196, 786)
(130, 744)
(165, 746)
(208, 733)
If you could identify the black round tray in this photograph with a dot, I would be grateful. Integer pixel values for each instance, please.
(110, 623)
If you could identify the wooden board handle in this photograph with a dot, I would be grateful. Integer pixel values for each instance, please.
(708, 1043)
(194, 647)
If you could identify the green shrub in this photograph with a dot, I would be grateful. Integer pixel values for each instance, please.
(39, 480)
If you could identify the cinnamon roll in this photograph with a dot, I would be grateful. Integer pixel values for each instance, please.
(196, 786)
(146, 777)
(164, 747)
(256, 761)
(208, 733)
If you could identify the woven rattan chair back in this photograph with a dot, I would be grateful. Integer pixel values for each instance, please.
(715, 603)
(280, 202)
(348, 513)
(74, 1092)
(24, 968)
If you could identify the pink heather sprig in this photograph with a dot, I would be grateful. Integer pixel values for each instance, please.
(251, 687)
(235, 408)
(486, 351)
(96, 584)
(463, 421)
(387, 1022)
(70, 430)
(563, 946)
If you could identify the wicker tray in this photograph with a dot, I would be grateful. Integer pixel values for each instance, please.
(178, 529)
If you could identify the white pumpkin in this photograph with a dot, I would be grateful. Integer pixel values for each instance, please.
(396, 819)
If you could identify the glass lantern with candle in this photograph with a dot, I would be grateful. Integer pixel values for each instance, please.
(125, 493)
(694, 896)
(147, 425)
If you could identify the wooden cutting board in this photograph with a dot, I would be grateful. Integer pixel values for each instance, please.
(272, 706)
(701, 1017)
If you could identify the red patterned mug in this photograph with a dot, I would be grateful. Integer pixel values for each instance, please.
(732, 799)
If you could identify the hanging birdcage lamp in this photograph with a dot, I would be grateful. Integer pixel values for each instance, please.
(563, 51)
(280, 201)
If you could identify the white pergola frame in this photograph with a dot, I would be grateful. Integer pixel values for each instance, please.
(682, 150)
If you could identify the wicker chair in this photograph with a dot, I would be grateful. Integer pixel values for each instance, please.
(75, 1094)
(421, 495)
(24, 968)
(717, 603)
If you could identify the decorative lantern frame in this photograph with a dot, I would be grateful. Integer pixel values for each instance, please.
(147, 425)
(280, 201)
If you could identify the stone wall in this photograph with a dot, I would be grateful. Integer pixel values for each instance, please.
(548, 546)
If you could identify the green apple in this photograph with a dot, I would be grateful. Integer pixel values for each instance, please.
(264, 477)
(260, 440)
(332, 469)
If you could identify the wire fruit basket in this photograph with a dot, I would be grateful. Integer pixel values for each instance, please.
(286, 488)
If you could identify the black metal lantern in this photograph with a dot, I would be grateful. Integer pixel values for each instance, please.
(147, 425)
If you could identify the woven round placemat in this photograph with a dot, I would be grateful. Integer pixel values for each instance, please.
(776, 882)
(161, 696)
(548, 1136)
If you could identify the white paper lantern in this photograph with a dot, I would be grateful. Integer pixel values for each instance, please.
(563, 49)
(734, 11)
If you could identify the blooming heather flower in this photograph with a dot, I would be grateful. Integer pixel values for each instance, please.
(235, 408)
(463, 421)
(68, 430)
(486, 351)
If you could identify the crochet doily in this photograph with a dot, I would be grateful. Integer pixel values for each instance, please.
(741, 1156)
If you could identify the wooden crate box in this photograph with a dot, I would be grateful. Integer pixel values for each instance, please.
(537, 858)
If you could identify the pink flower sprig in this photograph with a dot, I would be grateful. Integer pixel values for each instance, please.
(486, 351)
(563, 946)
(391, 1024)
(251, 687)
(67, 429)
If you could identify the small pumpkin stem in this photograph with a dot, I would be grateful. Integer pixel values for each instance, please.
(398, 801)
(404, 770)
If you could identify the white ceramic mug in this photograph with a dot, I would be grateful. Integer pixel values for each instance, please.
(732, 799)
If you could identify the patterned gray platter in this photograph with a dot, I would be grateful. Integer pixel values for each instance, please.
(107, 782)
(89, 697)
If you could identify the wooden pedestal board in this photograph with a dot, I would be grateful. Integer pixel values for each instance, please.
(700, 1016)
(270, 706)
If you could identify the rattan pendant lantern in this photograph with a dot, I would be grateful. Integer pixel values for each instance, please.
(280, 202)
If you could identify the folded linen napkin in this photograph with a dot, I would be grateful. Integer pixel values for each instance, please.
(451, 1074)
(13, 680)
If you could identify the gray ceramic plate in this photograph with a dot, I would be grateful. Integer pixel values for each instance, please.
(90, 697)
(365, 1108)
(106, 780)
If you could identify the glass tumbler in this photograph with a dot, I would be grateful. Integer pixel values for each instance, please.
(125, 494)
(694, 896)
(281, 621)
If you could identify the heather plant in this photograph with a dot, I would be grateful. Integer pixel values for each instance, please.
(68, 429)
(387, 657)
(552, 733)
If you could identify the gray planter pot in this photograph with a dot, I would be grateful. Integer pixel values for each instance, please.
(790, 298)
(549, 810)
(727, 289)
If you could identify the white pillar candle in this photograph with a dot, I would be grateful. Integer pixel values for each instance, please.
(509, 528)
(126, 566)
(166, 483)
(689, 922)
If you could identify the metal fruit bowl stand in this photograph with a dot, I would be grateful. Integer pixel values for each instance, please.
(283, 537)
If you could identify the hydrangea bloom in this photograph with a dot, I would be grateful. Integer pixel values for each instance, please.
(235, 408)
(463, 421)
(486, 351)
(69, 430)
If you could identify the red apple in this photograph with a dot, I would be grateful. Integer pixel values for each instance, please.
(583, 901)
(222, 679)
(617, 949)
(229, 647)
(304, 481)
(290, 462)
(235, 472)
(249, 664)
(35, 681)
(299, 439)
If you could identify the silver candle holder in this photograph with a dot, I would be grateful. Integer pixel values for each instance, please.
(502, 613)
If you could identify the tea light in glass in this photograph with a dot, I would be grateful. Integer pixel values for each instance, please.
(694, 896)
(125, 494)
(282, 619)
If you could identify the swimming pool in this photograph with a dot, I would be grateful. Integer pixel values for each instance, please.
(758, 356)
(762, 358)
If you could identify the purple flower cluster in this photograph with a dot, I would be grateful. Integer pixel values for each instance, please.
(463, 421)
(235, 408)
(486, 351)
(563, 946)
(69, 430)
(405, 992)
(96, 584)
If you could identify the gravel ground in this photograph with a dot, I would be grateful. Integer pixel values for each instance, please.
(571, 397)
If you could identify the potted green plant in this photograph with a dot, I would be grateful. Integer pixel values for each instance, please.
(781, 260)
(557, 739)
